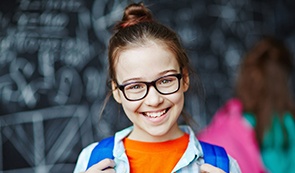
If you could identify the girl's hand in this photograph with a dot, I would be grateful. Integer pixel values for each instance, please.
(206, 168)
(105, 166)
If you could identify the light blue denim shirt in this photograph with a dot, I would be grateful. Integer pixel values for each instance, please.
(189, 163)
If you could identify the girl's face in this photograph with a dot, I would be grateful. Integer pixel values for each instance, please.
(155, 116)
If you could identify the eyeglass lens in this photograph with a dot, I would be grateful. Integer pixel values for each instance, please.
(164, 85)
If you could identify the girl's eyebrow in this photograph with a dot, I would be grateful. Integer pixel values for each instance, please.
(168, 71)
(140, 79)
(131, 80)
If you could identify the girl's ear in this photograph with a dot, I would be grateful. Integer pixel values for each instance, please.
(185, 74)
(116, 93)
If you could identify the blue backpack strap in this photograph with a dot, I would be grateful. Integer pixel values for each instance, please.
(103, 150)
(215, 155)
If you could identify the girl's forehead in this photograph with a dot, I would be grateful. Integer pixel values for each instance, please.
(142, 61)
(147, 51)
(146, 43)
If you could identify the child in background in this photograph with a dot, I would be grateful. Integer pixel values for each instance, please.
(257, 126)
(149, 72)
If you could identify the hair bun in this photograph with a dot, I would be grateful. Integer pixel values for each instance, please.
(134, 14)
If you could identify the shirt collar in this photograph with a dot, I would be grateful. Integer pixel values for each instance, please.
(194, 149)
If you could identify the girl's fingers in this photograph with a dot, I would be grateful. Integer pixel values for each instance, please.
(106, 166)
(109, 170)
(206, 168)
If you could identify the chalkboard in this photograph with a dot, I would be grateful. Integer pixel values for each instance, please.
(53, 68)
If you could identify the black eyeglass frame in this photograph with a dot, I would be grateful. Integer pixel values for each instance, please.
(148, 84)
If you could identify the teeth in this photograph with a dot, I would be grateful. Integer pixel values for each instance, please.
(155, 114)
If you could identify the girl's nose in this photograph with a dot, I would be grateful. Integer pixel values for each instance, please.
(153, 98)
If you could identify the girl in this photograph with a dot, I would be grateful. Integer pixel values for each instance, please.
(149, 72)
(258, 125)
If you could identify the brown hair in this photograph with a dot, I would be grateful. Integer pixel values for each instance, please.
(262, 84)
(136, 28)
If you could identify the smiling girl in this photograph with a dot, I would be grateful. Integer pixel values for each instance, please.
(149, 72)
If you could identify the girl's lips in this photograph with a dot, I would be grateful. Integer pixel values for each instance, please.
(155, 114)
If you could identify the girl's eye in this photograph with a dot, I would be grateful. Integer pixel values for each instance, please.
(134, 86)
(166, 80)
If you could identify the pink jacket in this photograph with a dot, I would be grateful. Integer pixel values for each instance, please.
(229, 129)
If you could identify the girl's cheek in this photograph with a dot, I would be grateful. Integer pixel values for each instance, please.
(176, 98)
(131, 106)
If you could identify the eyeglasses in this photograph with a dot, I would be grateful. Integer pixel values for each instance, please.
(165, 85)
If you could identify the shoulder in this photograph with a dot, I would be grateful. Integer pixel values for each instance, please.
(233, 165)
(83, 158)
(221, 158)
(88, 149)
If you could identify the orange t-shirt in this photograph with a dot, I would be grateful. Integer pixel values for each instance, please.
(149, 157)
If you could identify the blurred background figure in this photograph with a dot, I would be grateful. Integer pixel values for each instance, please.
(256, 126)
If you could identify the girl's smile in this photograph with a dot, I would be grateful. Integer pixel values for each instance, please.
(156, 117)
(155, 114)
